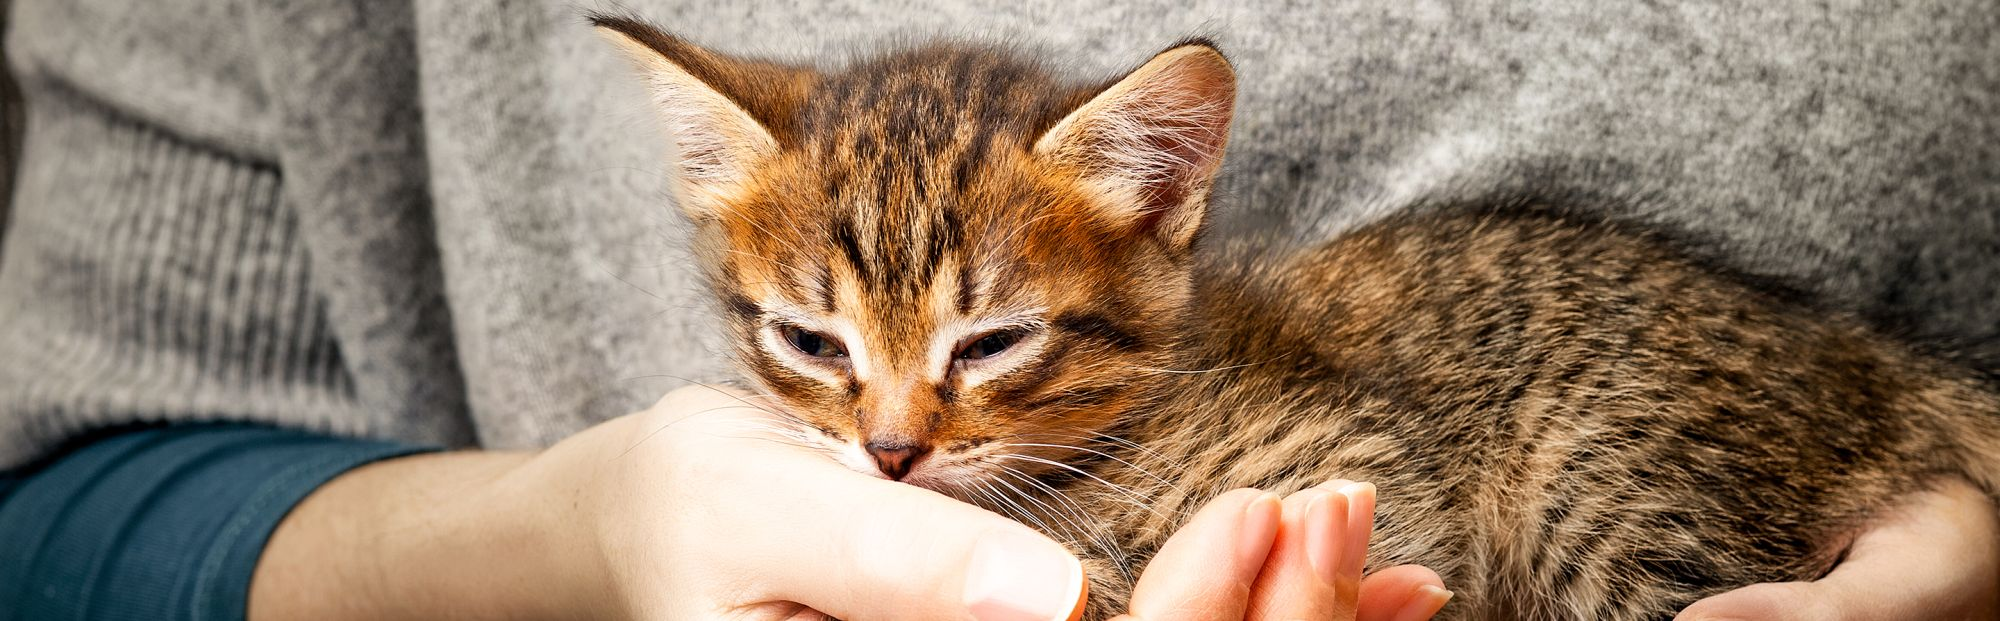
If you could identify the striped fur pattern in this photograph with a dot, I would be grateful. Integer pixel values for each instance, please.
(955, 268)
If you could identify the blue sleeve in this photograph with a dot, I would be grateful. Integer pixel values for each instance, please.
(162, 523)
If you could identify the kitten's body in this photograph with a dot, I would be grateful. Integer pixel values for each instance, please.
(985, 280)
(1567, 420)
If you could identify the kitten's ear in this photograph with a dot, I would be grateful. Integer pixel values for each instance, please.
(724, 116)
(1151, 143)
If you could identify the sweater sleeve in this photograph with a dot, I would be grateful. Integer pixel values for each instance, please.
(158, 523)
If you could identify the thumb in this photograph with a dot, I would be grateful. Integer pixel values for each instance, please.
(1933, 558)
(1780, 601)
(859, 547)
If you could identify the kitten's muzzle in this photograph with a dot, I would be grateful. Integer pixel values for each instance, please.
(896, 458)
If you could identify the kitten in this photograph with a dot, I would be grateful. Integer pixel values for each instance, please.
(963, 272)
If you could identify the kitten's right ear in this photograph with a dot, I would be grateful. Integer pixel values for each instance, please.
(722, 114)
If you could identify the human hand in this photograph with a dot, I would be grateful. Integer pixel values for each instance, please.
(1936, 556)
(1248, 555)
(700, 512)
(689, 510)
(816, 539)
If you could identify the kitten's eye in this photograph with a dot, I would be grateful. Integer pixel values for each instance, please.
(991, 344)
(813, 343)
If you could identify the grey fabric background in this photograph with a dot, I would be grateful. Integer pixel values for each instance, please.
(1853, 147)
(496, 261)
(11, 122)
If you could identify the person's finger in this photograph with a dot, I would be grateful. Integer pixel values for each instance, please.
(1205, 570)
(1418, 591)
(1291, 589)
(782, 611)
(858, 548)
(1361, 524)
(1933, 559)
(1402, 593)
(1298, 579)
(1787, 601)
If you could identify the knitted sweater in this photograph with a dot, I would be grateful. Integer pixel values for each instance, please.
(444, 222)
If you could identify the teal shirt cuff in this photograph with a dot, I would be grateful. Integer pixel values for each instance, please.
(159, 523)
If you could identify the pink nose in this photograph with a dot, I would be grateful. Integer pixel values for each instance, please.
(896, 459)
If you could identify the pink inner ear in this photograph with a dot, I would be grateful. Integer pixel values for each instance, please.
(1152, 142)
(1190, 155)
(1186, 130)
(1157, 137)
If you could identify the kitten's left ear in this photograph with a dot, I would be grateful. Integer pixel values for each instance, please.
(1150, 144)
(725, 116)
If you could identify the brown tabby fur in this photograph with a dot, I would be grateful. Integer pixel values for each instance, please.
(1568, 419)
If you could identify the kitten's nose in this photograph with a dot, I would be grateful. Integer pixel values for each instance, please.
(895, 458)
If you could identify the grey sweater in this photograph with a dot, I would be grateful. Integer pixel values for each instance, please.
(445, 222)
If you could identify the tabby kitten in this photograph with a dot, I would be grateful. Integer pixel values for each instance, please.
(962, 272)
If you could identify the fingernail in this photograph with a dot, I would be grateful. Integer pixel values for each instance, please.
(1260, 530)
(1326, 534)
(1016, 576)
(1428, 601)
(1360, 524)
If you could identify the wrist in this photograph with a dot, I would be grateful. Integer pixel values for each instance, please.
(545, 512)
(428, 536)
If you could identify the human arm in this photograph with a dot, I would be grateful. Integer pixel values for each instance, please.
(686, 510)
(158, 522)
(690, 510)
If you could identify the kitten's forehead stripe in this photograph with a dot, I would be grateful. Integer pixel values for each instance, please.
(965, 287)
(850, 247)
(828, 302)
(900, 138)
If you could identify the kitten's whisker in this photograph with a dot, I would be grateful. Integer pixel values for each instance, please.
(985, 493)
(1052, 513)
(628, 283)
(1145, 453)
(1074, 513)
(787, 431)
(649, 435)
(797, 445)
(1119, 442)
(1024, 514)
(780, 413)
(1135, 468)
(1053, 493)
(1195, 371)
(1132, 497)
